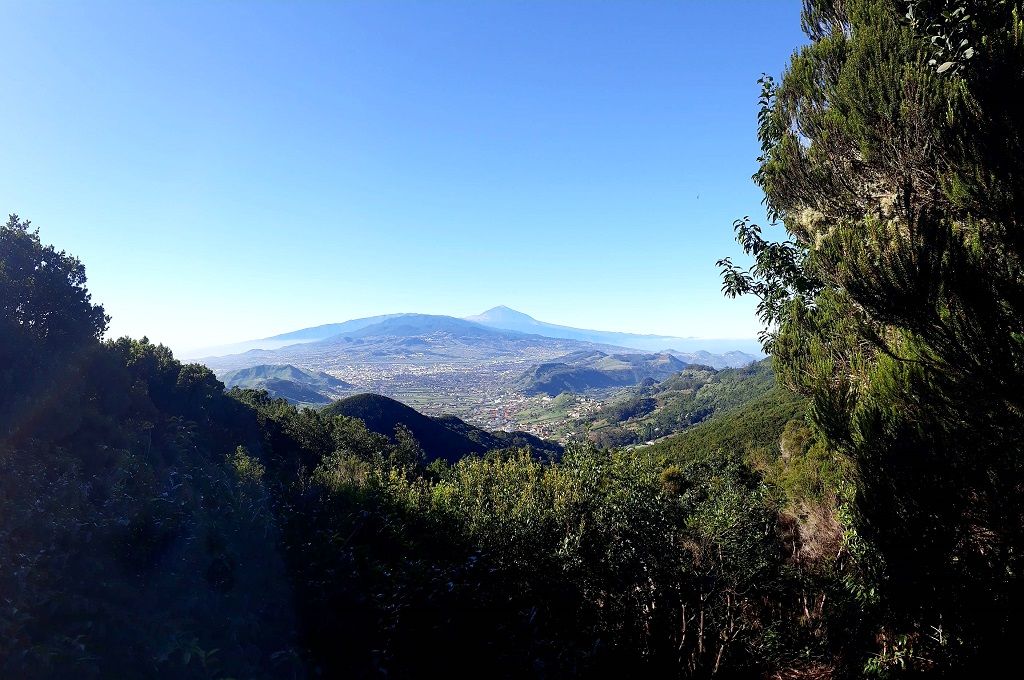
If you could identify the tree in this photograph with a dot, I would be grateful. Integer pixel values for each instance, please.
(893, 158)
(42, 290)
(48, 324)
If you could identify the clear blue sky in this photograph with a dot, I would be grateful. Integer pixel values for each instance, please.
(229, 170)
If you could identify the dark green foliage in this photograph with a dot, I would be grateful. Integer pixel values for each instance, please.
(48, 324)
(685, 399)
(633, 407)
(584, 567)
(894, 157)
(446, 437)
(751, 429)
(130, 545)
(152, 524)
(44, 296)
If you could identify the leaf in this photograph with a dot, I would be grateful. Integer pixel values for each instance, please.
(945, 67)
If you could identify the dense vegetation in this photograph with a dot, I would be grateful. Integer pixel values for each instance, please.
(155, 524)
(752, 428)
(894, 158)
(691, 396)
(445, 437)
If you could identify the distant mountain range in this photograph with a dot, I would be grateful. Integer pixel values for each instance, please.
(509, 319)
(595, 370)
(406, 339)
(444, 437)
(447, 364)
(730, 359)
(289, 382)
(511, 329)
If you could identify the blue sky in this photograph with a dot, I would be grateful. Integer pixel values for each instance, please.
(230, 170)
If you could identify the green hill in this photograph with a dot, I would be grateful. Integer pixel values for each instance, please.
(595, 370)
(748, 428)
(445, 437)
(297, 385)
(687, 398)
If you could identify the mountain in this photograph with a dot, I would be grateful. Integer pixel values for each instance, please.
(289, 382)
(444, 437)
(731, 359)
(330, 329)
(678, 402)
(509, 319)
(748, 428)
(413, 339)
(409, 325)
(444, 364)
(594, 370)
(274, 342)
(713, 352)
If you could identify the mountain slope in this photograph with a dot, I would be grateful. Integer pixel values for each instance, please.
(414, 339)
(289, 382)
(244, 377)
(446, 437)
(585, 371)
(509, 319)
(331, 329)
(746, 429)
(275, 342)
(687, 398)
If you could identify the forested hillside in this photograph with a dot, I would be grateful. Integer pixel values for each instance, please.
(654, 410)
(754, 426)
(446, 437)
(594, 370)
(152, 523)
(288, 382)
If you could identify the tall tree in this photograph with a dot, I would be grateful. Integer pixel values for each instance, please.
(47, 322)
(894, 158)
(42, 290)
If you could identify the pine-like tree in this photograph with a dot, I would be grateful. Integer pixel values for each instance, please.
(893, 154)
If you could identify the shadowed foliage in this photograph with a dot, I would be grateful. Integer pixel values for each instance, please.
(893, 158)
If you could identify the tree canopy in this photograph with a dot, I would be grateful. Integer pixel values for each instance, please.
(892, 156)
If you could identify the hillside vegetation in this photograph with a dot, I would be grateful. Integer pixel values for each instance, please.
(753, 428)
(594, 370)
(447, 438)
(297, 385)
(894, 301)
(152, 523)
(689, 397)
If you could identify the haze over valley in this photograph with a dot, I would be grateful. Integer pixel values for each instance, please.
(497, 370)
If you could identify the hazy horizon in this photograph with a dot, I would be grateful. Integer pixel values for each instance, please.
(230, 171)
(745, 344)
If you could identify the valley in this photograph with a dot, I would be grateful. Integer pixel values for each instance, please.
(547, 380)
(482, 394)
